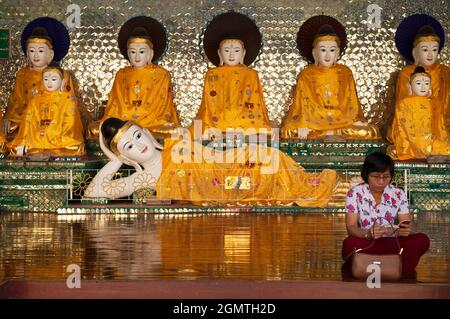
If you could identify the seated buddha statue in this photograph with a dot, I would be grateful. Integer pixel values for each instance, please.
(43, 40)
(417, 130)
(51, 122)
(143, 91)
(326, 103)
(419, 39)
(232, 99)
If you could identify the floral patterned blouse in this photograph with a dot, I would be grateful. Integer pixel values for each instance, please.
(361, 201)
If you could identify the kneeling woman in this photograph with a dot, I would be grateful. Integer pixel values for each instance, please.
(378, 201)
(187, 171)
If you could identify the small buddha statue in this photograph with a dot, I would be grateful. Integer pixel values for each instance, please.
(326, 105)
(142, 92)
(43, 40)
(419, 39)
(232, 99)
(418, 131)
(51, 123)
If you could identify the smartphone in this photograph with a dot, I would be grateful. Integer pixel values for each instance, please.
(404, 223)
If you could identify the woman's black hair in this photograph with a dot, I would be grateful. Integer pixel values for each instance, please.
(377, 162)
(109, 128)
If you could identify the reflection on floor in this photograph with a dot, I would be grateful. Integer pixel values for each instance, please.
(188, 247)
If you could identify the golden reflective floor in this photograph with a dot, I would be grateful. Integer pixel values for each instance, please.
(232, 246)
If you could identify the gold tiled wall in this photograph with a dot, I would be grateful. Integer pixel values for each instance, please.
(94, 56)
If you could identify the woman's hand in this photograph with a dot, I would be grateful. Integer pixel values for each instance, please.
(404, 229)
(378, 231)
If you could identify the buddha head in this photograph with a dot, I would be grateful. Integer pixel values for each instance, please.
(231, 52)
(44, 40)
(142, 40)
(140, 48)
(231, 39)
(326, 47)
(53, 78)
(419, 39)
(39, 48)
(420, 82)
(322, 40)
(426, 47)
(129, 140)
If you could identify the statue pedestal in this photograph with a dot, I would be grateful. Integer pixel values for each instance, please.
(38, 186)
(58, 185)
(317, 154)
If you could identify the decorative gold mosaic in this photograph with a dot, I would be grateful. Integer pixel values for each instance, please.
(94, 57)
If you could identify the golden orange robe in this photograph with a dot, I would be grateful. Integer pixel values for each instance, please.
(145, 96)
(326, 99)
(232, 98)
(440, 88)
(51, 125)
(418, 131)
(2, 136)
(28, 83)
(245, 179)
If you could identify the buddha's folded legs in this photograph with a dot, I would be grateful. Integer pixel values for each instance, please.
(164, 131)
(391, 151)
(369, 132)
(67, 151)
(12, 131)
(434, 148)
(93, 130)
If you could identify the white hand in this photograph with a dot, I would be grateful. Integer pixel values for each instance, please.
(114, 157)
(20, 150)
(359, 123)
(63, 85)
(105, 149)
(129, 162)
(303, 132)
